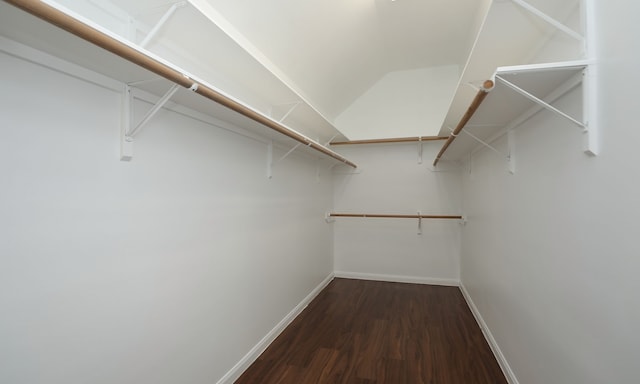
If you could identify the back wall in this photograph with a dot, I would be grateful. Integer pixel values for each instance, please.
(390, 180)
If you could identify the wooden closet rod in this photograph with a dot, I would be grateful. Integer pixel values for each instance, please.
(391, 140)
(129, 53)
(487, 86)
(384, 216)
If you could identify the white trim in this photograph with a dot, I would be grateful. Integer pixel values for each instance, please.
(398, 278)
(497, 352)
(234, 373)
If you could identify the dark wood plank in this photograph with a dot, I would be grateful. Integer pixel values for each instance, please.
(359, 331)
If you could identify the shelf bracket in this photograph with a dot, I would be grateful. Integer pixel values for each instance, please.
(326, 144)
(127, 133)
(152, 112)
(163, 20)
(590, 103)
(271, 163)
(540, 102)
(550, 20)
(589, 110)
(293, 105)
(420, 150)
(489, 146)
(287, 154)
(484, 143)
(146, 81)
(126, 142)
(328, 218)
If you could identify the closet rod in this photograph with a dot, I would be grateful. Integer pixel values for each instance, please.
(60, 19)
(487, 86)
(384, 216)
(391, 140)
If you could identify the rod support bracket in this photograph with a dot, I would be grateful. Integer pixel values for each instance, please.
(126, 141)
(328, 218)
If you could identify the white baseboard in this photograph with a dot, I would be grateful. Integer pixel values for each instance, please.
(256, 351)
(502, 361)
(397, 278)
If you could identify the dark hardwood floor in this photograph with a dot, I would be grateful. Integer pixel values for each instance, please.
(359, 331)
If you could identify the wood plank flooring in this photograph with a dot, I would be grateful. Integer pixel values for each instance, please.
(366, 332)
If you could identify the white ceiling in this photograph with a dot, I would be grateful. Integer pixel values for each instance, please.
(334, 51)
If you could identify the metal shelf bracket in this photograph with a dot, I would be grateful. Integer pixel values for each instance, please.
(163, 20)
(291, 107)
(548, 19)
(127, 130)
(586, 77)
(126, 142)
(509, 157)
(539, 101)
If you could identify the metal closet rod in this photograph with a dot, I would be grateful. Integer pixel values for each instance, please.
(86, 32)
(385, 216)
(391, 140)
(487, 86)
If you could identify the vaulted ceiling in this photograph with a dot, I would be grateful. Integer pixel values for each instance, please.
(334, 51)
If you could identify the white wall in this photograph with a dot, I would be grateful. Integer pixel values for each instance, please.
(401, 104)
(390, 180)
(550, 254)
(167, 269)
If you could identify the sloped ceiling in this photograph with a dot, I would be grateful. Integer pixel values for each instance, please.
(333, 51)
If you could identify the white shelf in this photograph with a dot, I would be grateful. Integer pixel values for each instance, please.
(516, 32)
(222, 63)
(504, 109)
